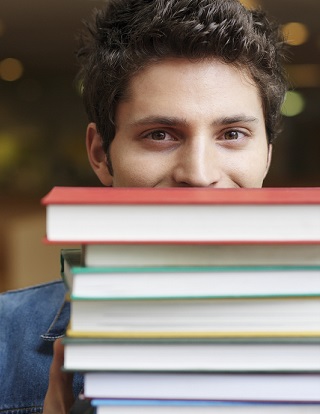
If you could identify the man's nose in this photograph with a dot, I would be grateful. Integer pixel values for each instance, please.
(197, 164)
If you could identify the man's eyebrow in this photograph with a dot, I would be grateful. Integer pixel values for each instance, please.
(161, 120)
(234, 119)
(175, 121)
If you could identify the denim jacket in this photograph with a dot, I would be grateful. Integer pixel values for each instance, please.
(30, 321)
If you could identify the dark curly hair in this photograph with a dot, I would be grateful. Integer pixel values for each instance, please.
(128, 35)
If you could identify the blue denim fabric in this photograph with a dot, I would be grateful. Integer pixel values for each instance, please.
(30, 321)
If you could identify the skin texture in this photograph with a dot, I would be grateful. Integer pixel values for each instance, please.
(198, 124)
(182, 124)
(59, 398)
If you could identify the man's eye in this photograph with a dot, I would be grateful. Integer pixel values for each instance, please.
(158, 135)
(232, 135)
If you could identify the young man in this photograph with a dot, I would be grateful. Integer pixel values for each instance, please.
(178, 93)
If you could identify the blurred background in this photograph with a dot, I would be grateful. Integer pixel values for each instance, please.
(42, 122)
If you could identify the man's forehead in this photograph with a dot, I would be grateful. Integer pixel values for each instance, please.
(156, 74)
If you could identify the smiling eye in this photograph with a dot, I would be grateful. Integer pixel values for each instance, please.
(232, 135)
(158, 135)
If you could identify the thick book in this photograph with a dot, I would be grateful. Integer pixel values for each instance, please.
(160, 215)
(171, 254)
(186, 281)
(245, 317)
(127, 406)
(204, 386)
(192, 355)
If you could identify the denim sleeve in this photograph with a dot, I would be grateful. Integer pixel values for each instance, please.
(30, 320)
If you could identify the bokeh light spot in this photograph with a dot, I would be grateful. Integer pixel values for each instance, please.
(293, 105)
(295, 33)
(8, 151)
(11, 69)
(250, 4)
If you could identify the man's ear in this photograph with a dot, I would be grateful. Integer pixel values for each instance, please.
(268, 160)
(97, 156)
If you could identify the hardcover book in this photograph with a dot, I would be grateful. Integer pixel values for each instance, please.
(112, 406)
(267, 354)
(184, 215)
(201, 318)
(166, 282)
(241, 387)
(200, 254)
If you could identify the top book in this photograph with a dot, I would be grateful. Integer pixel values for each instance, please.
(183, 215)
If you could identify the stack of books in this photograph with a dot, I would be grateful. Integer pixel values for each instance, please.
(187, 299)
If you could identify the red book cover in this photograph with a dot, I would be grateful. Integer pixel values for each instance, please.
(98, 214)
(102, 195)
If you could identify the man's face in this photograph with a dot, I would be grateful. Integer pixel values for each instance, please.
(190, 124)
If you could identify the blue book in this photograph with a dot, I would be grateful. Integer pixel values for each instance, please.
(135, 406)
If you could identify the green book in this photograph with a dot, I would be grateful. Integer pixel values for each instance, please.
(186, 282)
